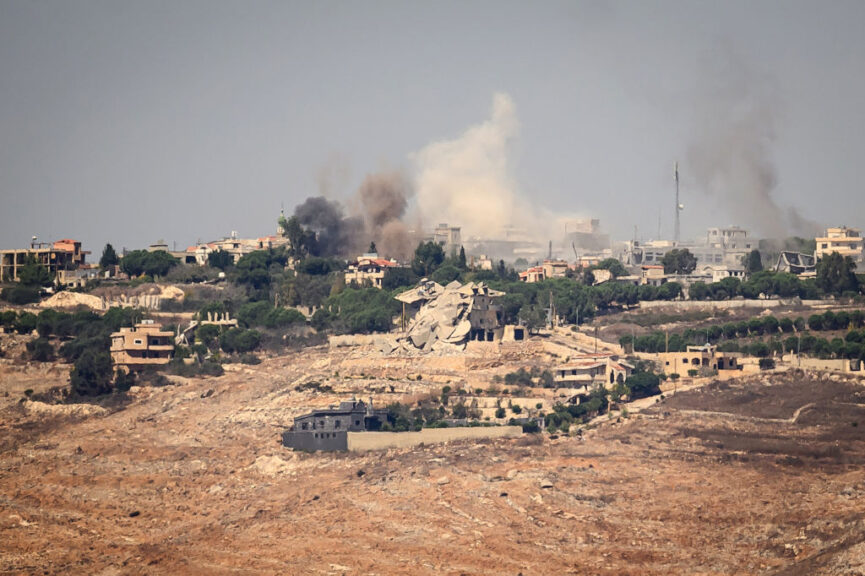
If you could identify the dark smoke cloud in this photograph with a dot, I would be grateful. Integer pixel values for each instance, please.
(730, 155)
(383, 200)
(377, 215)
(336, 235)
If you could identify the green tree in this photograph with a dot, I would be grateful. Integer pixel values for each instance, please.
(208, 334)
(445, 274)
(300, 241)
(428, 256)
(156, 263)
(109, 257)
(698, 291)
(836, 274)
(92, 374)
(615, 267)
(398, 278)
(679, 261)
(221, 259)
(463, 265)
(239, 340)
(34, 274)
(753, 262)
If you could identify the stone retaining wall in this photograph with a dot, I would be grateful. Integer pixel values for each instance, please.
(362, 441)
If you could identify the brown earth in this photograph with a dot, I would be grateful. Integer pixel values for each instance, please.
(742, 477)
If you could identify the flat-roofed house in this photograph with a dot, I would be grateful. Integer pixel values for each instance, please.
(142, 345)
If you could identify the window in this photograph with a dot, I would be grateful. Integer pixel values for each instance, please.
(337, 424)
(357, 422)
(304, 426)
(138, 340)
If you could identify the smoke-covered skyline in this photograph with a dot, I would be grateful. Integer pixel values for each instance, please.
(130, 123)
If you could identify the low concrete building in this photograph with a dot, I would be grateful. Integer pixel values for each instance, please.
(653, 275)
(533, 274)
(845, 241)
(701, 358)
(328, 428)
(369, 270)
(482, 262)
(143, 345)
(555, 268)
(718, 273)
(591, 370)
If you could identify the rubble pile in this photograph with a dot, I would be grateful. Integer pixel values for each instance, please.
(444, 320)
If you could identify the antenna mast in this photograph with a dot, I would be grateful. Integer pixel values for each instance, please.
(678, 206)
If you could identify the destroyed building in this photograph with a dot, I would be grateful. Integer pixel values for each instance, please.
(450, 315)
(328, 429)
(796, 263)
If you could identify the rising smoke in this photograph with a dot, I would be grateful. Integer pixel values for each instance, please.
(730, 155)
(467, 181)
(376, 214)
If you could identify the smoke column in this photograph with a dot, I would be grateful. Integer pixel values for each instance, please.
(336, 234)
(730, 155)
(376, 215)
(466, 182)
(383, 199)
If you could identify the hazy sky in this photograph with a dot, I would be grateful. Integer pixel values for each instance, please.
(127, 122)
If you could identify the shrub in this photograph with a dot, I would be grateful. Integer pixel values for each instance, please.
(642, 384)
(123, 380)
(26, 323)
(500, 412)
(767, 363)
(40, 350)
(531, 427)
(91, 375)
(239, 340)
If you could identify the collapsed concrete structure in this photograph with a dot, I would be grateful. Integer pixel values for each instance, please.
(450, 315)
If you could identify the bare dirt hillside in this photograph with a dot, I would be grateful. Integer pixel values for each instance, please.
(743, 477)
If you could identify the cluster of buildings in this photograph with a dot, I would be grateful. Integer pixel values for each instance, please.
(64, 260)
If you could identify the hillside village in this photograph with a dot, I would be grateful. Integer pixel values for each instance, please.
(274, 398)
(410, 288)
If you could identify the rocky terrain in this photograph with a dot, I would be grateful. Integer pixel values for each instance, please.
(762, 475)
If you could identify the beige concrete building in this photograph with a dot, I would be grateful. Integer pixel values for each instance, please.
(59, 258)
(145, 344)
(448, 237)
(592, 370)
(369, 270)
(237, 247)
(533, 274)
(702, 358)
(845, 241)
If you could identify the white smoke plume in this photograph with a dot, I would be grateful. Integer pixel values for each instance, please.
(466, 182)
(730, 155)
